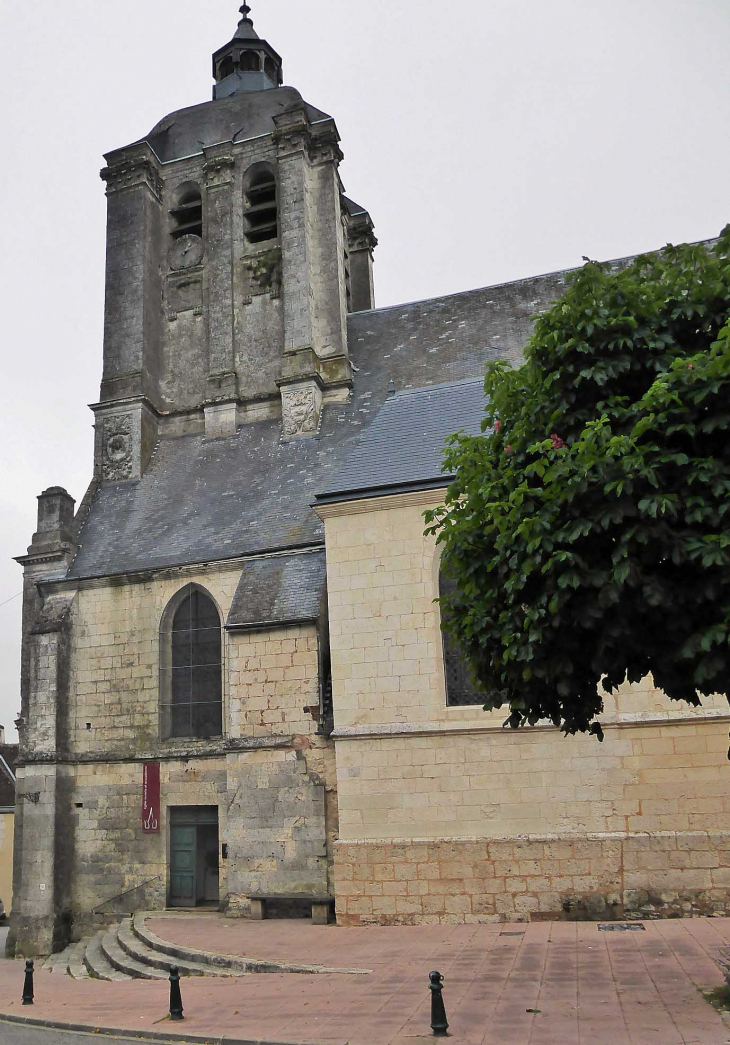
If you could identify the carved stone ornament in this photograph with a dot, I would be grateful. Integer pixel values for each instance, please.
(362, 241)
(117, 448)
(131, 173)
(264, 274)
(219, 171)
(300, 411)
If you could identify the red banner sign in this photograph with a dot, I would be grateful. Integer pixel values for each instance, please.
(151, 798)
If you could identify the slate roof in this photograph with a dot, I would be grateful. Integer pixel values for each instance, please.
(280, 589)
(9, 754)
(245, 114)
(404, 445)
(206, 500)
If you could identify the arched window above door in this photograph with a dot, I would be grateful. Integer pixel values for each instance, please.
(191, 676)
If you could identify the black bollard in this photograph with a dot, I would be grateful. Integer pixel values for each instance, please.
(439, 1023)
(28, 985)
(176, 1005)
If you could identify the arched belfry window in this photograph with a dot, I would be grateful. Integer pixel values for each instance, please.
(262, 219)
(191, 676)
(250, 62)
(225, 68)
(187, 212)
(461, 690)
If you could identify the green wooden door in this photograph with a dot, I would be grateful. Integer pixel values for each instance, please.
(182, 865)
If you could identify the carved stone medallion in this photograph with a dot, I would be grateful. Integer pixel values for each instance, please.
(117, 448)
(300, 409)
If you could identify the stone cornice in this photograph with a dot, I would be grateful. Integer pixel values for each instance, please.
(380, 502)
(41, 559)
(389, 730)
(133, 171)
(162, 572)
(166, 752)
(517, 839)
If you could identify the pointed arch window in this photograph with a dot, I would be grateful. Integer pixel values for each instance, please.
(262, 212)
(191, 683)
(461, 690)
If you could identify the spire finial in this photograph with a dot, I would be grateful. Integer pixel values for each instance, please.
(245, 11)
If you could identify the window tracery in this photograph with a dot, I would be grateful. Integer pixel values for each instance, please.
(191, 697)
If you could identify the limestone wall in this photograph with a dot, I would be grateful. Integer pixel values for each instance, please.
(503, 824)
(269, 677)
(270, 775)
(6, 860)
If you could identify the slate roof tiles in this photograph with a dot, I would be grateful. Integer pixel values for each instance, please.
(204, 500)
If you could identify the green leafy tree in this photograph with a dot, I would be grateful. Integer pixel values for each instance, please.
(587, 528)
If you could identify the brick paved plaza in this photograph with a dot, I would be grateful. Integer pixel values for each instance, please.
(590, 987)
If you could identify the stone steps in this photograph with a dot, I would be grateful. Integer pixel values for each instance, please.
(131, 951)
(120, 952)
(238, 966)
(96, 962)
(58, 963)
(123, 962)
(134, 945)
(76, 968)
(214, 964)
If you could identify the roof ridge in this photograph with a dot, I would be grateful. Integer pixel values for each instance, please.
(528, 279)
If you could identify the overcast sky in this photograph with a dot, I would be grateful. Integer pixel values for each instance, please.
(490, 141)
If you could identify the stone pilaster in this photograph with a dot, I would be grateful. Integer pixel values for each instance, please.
(219, 170)
(293, 139)
(313, 284)
(37, 923)
(133, 315)
(361, 242)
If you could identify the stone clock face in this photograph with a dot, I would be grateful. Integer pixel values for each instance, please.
(186, 252)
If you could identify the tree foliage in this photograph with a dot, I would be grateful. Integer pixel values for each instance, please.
(587, 528)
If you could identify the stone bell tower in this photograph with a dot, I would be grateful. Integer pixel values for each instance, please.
(233, 258)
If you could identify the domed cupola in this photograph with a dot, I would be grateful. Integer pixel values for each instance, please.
(247, 63)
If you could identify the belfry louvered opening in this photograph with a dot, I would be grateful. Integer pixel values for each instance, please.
(250, 62)
(262, 218)
(187, 213)
(191, 676)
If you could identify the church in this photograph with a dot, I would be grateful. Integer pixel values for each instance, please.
(235, 690)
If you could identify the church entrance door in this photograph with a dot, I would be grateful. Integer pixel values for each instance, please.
(193, 856)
